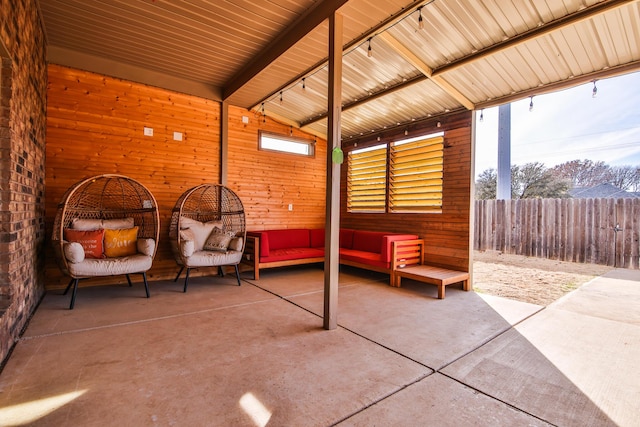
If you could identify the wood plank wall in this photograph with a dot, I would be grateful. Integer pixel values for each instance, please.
(446, 234)
(268, 182)
(95, 126)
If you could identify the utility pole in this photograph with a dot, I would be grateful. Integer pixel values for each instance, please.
(503, 191)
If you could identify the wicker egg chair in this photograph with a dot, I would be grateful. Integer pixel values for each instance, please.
(204, 210)
(99, 203)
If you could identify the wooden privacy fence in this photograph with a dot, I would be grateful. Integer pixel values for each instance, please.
(597, 231)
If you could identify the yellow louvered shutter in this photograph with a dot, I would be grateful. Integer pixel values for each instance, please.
(416, 175)
(366, 180)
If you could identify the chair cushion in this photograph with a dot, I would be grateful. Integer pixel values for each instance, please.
(146, 246)
(293, 254)
(111, 266)
(187, 248)
(187, 234)
(118, 223)
(236, 244)
(213, 258)
(91, 241)
(73, 252)
(86, 224)
(200, 230)
(120, 242)
(346, 238)
(363, 257)
(368, 241)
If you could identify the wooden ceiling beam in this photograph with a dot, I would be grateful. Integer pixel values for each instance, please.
(307, 22)
(413, 59)
(364, 100)
(380, 28)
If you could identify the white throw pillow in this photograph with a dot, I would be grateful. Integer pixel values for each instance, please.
(73, 252)
(86, 224)
(235, 244)
(187, 234)
(117, 224)
(200, 230)
(146, 246)
(187, 248)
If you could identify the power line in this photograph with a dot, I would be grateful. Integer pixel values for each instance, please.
(548, 140)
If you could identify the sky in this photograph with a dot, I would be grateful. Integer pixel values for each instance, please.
(569, 125)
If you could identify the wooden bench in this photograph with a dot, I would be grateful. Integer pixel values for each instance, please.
(251, 257)
(407, 260)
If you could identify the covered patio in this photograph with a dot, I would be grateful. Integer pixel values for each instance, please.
(257, 355)
(84, 85)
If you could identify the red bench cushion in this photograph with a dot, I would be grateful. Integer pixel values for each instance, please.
(316, 236)
(292, 253)
(346, 238)
(369, 241)
(290, 238)
(363, 257)
(264, 241)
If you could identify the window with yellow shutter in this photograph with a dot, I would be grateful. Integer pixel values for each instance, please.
(415, 175)
(398, 177)
(367, 179)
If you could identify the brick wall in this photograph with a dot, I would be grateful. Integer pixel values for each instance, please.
(23, 84)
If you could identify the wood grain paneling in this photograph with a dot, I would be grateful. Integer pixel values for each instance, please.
(267, 182)
(95, 126)
(446, 234)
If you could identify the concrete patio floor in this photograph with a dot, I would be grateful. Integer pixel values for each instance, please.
(256, 355)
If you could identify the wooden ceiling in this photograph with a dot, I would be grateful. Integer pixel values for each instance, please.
(427, 58)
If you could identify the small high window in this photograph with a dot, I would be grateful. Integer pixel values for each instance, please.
(285, 144)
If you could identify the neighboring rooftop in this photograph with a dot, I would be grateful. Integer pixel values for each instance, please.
(609, 191)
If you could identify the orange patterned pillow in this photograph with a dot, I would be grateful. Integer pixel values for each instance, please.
(91, 241)
(120, 242)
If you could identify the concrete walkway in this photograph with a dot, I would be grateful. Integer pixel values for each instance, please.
(256, 355)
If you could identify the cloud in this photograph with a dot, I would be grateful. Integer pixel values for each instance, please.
(569, 125)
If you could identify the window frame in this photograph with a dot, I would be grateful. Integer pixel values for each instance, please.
(287, 138)
(397, 174)
(368, 162)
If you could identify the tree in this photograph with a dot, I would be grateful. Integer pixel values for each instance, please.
(625, 177)
(635, 187)
(532, 180)
(587, 173)
(486, 185)
(584, 173)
